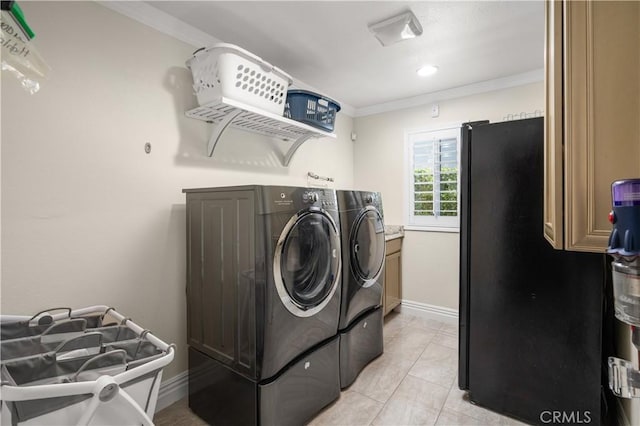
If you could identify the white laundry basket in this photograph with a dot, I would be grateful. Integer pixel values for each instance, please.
(228, 71)
(89, 366)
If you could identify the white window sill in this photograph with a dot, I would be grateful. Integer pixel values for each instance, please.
(431, 229)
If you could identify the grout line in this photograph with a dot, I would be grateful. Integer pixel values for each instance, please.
(445, 401)
(408, 369)
(412, 365)
(432, 343)
(398, 385)
(432, 383)
(374, 400)
(378, 413)
(438, 418)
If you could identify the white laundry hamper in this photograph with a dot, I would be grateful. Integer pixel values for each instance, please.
(90, 366)
(225, 71)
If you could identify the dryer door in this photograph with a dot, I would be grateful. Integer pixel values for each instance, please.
(307, 263)
(367, 246)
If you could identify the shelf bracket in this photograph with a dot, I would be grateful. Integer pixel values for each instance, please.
(220, 128)
(292, 150)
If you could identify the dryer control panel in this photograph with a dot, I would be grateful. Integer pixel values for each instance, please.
(356, 200)
(372, 198)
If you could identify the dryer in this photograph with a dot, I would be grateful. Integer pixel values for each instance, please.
(363, 254)
(263, 303)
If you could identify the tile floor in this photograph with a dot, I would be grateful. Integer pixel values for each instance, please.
(413, 383)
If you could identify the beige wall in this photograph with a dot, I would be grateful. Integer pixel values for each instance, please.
(430, 259)
(88, 217)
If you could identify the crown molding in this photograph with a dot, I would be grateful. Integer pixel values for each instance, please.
(174, 27)
(346, 109)
(161, 21)
(456, 92)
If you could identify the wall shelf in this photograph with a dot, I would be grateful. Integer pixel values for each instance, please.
(230, 113)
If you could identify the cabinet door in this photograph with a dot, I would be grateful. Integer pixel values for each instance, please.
(601, 110)
(553, 124)
(392, 281)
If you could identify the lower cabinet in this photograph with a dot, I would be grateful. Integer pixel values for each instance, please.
(392, 275)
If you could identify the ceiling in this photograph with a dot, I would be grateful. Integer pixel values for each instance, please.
(327, 44)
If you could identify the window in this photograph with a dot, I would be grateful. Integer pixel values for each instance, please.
(433, 177)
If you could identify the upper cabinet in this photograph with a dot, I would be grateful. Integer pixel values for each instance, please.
(592, 125)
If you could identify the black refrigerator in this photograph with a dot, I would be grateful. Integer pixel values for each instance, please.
(532, 318)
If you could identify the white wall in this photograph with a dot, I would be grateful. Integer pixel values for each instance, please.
(88, 217)
(430, 259)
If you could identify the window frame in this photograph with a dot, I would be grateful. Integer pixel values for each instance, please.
(429, 223)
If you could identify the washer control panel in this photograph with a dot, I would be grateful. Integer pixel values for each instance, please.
(310, 197)
(320, 198)
(292, 199)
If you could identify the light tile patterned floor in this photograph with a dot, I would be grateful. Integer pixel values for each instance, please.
(413, 383)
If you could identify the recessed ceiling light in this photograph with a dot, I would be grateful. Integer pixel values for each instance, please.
(427, 70)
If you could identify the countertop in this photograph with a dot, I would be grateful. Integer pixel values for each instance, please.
(392, 232)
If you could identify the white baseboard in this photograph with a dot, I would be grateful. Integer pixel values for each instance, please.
(173, 390)
(424, 310)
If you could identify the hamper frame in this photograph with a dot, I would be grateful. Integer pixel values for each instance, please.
(105, 388)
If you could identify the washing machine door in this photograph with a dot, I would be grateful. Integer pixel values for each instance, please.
(307, 262)
(367, 246)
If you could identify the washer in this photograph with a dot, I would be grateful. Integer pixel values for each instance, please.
(363, 254)
(362, 225)
(263, 303)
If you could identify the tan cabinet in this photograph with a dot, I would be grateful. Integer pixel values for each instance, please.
(392, 294)
(592, 124)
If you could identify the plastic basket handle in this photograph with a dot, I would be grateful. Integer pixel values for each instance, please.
(87, 363)
(86, 336)
(266, 66)
(247, 55)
